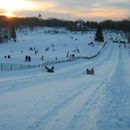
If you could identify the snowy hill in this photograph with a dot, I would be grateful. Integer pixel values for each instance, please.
(48, 45)
(68, 99)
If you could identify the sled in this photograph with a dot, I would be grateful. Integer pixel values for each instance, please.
(50, 70)
(90, 71)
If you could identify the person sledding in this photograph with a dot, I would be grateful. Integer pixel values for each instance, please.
(50, 70)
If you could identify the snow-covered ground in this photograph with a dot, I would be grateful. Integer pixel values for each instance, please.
(68, 99)
(48, 45)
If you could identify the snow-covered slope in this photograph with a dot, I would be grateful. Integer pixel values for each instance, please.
(68, 99)
(50, 46)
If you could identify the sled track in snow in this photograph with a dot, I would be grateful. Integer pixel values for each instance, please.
(85, 118)
(70, 106)
(117, 115)
(58, 108)
(86, 111)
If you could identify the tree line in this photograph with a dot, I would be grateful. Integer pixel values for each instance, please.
(32, 22)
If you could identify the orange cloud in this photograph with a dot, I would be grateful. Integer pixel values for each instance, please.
(23, 5)
(58, 11)
(43, 5)
(65, 9)
(102, 13)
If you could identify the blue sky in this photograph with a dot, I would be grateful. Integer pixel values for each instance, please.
(69, 9)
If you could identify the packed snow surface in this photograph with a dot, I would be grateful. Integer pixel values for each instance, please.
(67, 99)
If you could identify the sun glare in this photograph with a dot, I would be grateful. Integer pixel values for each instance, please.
(9, 14)
(15, 5)
(10, 6)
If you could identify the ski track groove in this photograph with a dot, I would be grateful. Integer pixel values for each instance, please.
(90, 107)
(43, 120)
(60, 122)
(52, 113)
(117, 115)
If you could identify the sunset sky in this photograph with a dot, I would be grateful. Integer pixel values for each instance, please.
(67, 9)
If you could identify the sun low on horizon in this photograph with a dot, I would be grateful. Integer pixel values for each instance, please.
(10, 7)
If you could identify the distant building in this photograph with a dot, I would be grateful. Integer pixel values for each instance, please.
(4, 34)
(80, 26)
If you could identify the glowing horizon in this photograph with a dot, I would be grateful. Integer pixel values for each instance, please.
(15, 6)
(67, 9)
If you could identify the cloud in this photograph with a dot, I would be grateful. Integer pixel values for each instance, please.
(24, 5)
(77, 9)
(93, 9)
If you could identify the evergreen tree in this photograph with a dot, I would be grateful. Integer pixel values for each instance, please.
(13, 33)
(0, 39)
(99, 35)
(129, 39)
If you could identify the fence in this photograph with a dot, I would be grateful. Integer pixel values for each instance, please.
(17, 67)
(14, 67)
